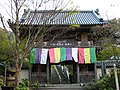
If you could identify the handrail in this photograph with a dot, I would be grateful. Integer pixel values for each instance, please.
(58, 73)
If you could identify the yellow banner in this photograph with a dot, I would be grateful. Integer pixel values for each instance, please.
(57, 55)
(87, 55)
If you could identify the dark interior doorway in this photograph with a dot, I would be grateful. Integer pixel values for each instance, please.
(64, 73)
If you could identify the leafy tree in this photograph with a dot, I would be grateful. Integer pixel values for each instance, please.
(106, 38)
(108, 52)
(6, 52)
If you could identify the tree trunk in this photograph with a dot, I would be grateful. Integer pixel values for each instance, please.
(17, 74)
(17, 61)
(17, 34)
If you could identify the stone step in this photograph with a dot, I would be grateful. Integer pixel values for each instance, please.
(62, 87)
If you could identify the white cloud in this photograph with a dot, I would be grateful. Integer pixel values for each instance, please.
(108, 8)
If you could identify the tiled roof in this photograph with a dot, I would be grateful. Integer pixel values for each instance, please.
(61, 18)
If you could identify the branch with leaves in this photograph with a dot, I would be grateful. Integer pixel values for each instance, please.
(105, 39)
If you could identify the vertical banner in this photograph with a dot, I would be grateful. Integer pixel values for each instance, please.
(87, 55)
(75, 54)
(33, 56)
(68, 53)
(51, 55)
(44, 54)
(57, 55)
(62, 54)
(81, 55)
(38, 55)
(93, 55)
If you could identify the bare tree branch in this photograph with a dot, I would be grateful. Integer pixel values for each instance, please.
(32, 36)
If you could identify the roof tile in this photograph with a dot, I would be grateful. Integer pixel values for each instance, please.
(61, 18)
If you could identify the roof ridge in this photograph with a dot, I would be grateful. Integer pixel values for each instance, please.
(97, 15)
(56, 11)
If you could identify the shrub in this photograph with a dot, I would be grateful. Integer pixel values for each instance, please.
(91, 86)
(108, 82)
(1, 82)
(24, 85)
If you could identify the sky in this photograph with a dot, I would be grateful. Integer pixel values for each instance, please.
(108, 9)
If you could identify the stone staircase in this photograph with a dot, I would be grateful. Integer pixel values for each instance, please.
(59, 77)
(62, 87)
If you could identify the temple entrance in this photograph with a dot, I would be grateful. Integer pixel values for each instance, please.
(63, 73)
(62, 65)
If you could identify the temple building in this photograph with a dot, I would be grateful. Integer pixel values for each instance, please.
(67, 54)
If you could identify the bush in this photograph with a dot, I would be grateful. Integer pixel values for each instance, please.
(108, 82)
(1, 82)
(36, 85)
(91, 86)
(24, 85)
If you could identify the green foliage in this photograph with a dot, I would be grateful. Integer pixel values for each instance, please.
(1, 82)
(108, 52)
(91, 86)
(2, 70)
(108, 81)
(106, 38)
(73, 12)
(6, 52)
(74, 26)
(22, 45)
(36, 85)
(24, 85)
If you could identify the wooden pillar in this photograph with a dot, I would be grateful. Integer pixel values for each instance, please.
(103, 68)
(48, 72)
(78, 73)
(95, 70)
(84, 38)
